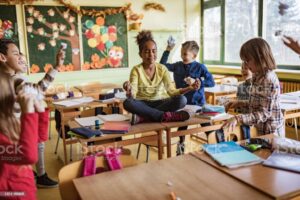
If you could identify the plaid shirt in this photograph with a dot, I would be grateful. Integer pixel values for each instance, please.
(243, 93)
(264, 107)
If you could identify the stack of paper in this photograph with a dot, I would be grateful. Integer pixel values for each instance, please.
(283, 160)
(114, 117)
(212, 112)
(230, 154)
(88, 121)
(74, 102)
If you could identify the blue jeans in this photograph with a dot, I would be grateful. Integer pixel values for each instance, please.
(154, 110)
(246, 131)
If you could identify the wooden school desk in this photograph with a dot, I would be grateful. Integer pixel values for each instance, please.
(279, 184)
(291, 110)
(186, 176)
(216, 125)
(133, 131)
(219, 91)
(64, 110)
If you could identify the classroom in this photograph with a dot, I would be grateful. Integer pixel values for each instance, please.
(139, 99)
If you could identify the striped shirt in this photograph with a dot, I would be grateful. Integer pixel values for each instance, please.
(264, 107)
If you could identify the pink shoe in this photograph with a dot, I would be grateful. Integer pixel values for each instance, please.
(178, 116)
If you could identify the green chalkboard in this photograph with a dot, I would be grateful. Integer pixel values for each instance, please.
(104, 41)
(48, 28)
(8, 23)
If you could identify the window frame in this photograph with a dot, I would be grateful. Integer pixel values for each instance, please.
(261, 31)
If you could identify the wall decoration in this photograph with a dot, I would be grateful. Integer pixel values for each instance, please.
(48, 28)
(8, 23)
(154, 6)
(104, 40)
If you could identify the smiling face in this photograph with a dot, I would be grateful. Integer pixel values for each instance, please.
(187, 56)
(246, 73)
(13, 59)
(149, 53)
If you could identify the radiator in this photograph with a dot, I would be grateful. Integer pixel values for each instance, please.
(290, 87)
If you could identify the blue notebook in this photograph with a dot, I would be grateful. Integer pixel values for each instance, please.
(230, 154)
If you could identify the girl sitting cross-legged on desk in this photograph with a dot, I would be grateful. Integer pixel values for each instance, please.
(263, 104)
(19, 140)
(151, 94)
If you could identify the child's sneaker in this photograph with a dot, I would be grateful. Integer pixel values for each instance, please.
(135, 119)
(45, 182)
(176, 116)
(180, 149)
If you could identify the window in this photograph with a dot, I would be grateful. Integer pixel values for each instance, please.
(227, 24)
(287, 23)
(241, 24)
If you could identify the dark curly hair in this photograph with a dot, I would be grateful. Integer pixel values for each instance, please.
(143, 37)
(4, 45)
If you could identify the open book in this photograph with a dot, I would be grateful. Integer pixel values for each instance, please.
(286, 155)
(231, 155)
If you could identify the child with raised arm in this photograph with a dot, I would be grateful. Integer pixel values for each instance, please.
(264, 103)
(15, 65)
(188, 68)
(151, 94)
(19, 138)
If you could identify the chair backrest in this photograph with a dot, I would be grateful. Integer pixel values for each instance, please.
(74, 170)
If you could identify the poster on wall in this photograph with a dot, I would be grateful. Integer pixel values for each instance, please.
(104, 40)
(48, 29)
(8, 23)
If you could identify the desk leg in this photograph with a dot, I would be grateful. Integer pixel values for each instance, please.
(169, 136)
(159, 143)
(296, 127)
(63, 132)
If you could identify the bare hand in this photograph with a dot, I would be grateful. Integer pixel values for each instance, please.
(60, 57)
(231, 104)
(170, 47)
(230, 124)
(38, 105)
(291, 43)
(197, 84)
(26, 102)
(127, 88)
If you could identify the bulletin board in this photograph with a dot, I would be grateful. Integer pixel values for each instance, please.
(47, 29)
(8, 23)
(104, 41)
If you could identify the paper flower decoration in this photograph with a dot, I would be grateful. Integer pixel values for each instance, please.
(69, 67)
(52, 42)
(29, 29)
(41, 46)
(51, 12)
(54, 26)
(36, 13)
(55, 34)
(86, 66)
(75, 51)
(62, 27)
(34, 68)
(7, 25)
(30, 9)
(30, 20)
(66, 14)
(47, 67)
(41, 31)
(100, 21)
(40, 18)
(72, 19)
(72, 32)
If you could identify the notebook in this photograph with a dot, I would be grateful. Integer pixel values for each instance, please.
(88, 121)
(114, 117)
(116, 127)
(211, 115)
(230, 154)
(74, 102)
(283, 160)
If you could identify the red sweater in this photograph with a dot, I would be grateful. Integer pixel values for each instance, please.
(16, 159)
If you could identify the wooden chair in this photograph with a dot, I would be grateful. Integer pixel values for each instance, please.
(154, 144)
(74, 170)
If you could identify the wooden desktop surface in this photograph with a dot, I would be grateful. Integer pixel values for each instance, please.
(274, 182)
(190, 178)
